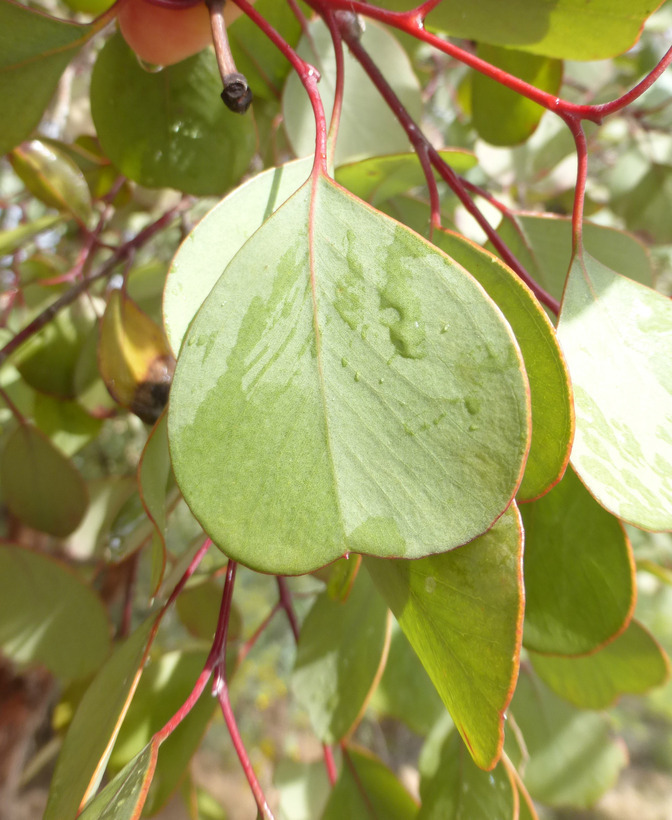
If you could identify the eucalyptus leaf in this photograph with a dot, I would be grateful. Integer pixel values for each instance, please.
(360, 393)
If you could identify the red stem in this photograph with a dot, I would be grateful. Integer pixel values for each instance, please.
(581, 176)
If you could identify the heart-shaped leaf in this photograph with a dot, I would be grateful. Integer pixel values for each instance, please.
(462, 613)
(357, 391)
(617, 338)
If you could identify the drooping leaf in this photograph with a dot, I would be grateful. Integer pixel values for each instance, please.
(543, 243)
(48, 616)
(550, 390)
(340, 657)
(573, 758)
(39, 485)
(91, 735)
(205, 253)
(168, 129)
(500, 115)
(124, 796)
(632, 664)
(51, 176)
(462, 613)
(579, 572)
(361, 393)
(565, 28)
(367, 126)
(165, 685)
(134, 358)
(617, 338)
(34, 51)
(405, 691)
(368, 790)
(377, 179)
(153, 479)
(459, 789)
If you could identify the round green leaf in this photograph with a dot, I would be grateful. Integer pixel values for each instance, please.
(579, 572)
(359, 393)
(39, 485)
(550, 390)
(168, 129)
(617, 338)
(367, 126)
(205, 253)
(632, 664)
(341, 652)
(462, 612)
(502, 116)
(48, 616)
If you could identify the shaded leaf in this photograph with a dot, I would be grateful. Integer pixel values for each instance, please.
(91, 735)
(281, 469)
(39, 485)
(65, 422)
(459, 789)
(617, 338)
(462, 612)
(367, 126)
(48, 616)
(124, 797)
(34, 51)
(205, 253)
(579, 572)
(502, 116)
(340, 657)
(198, 607)
(367, 790)
(550, 390)
(168, 129)
(153, 479)
(631, 664)
(573, 758)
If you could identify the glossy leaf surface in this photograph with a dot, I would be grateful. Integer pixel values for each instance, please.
(579, 571)
(573, 757)
(168, 129)
(205, 253)
(340, 655)
(617, 337)
(34, 51)
(550, 390)
(367, 790)
(632, 664)
(459, 789)
(39, 485)
(462, 613)
(502, 116)
(568, 29)
(91, 734)
(352, 318)
(367, 126)
(48, 616)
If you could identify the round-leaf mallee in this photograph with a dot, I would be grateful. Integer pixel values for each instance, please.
(346, 387)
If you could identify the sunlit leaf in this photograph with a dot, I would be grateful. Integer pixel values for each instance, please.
(48, 616)
(462, 612)
(617, 337)
(39, 485)
(91, 735)
(168, 129)
(351, 318)
(550, 390)
(579, 571)
(632, 664)
(340, 656)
